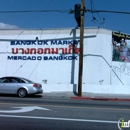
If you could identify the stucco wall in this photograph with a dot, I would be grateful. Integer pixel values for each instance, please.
(100, 74)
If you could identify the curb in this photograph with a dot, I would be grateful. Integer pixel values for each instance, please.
(101, 99)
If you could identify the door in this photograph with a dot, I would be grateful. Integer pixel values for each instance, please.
(12, 85)
(2, 85)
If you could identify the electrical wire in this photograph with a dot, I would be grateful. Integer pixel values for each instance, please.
(95, 9)
(91, 7)
(19, 68)
(40, 37)
(35, 11)
(34, 69)
(65, 11)
(106, 11)
(93, 17)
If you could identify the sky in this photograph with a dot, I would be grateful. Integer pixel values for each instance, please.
(38, 20)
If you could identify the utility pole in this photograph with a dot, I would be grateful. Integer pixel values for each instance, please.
(81, 49)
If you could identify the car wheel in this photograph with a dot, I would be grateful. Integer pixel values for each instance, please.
(22, 92)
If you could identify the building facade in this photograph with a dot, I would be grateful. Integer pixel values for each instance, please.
(51, 57)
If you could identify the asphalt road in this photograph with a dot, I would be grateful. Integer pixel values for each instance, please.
(39, 113)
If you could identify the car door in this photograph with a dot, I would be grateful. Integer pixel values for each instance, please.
(12, 86)
(2, 85)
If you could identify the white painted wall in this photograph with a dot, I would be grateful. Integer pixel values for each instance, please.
(100, 74)
(120, 73)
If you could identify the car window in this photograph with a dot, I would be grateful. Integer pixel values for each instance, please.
(20, 80)
(5, 80)
(16, 80)
(29, 81)
(11, 80)
(2, 80)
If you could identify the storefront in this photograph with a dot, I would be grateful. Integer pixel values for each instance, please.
(51, 57)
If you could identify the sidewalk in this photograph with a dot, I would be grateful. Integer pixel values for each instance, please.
(87, 96)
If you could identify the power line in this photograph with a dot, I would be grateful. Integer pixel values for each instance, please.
(92, 3)
(106, 11)
(93, 17)
(63, 11)
(34, 11)
(91, 7)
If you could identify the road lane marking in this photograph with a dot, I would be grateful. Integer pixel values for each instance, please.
(63, 119)
(24, 109)
(75, 107)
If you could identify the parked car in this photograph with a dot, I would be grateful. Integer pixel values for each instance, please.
(19, 86)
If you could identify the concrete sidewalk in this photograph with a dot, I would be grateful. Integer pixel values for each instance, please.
(87, 96)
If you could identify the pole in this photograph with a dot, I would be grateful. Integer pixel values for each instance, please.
(81, 50)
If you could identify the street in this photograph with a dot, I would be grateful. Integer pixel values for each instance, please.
(49, 113)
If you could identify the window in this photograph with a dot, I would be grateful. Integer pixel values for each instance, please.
(17, 80)
(2, 80)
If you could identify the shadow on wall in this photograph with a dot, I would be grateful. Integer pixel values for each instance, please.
(73, 31)
(107, 64)
(75, 89)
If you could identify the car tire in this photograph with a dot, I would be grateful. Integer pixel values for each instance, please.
(22, 92)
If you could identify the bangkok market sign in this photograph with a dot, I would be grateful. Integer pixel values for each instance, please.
(44, 50)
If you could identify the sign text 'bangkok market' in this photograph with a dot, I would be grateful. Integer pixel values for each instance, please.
(44, 42)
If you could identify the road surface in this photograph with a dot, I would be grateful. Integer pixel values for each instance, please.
(39, 113)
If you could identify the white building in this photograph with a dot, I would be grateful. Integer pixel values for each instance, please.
(51, 57)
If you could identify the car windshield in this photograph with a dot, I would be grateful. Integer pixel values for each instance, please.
(29, 81)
